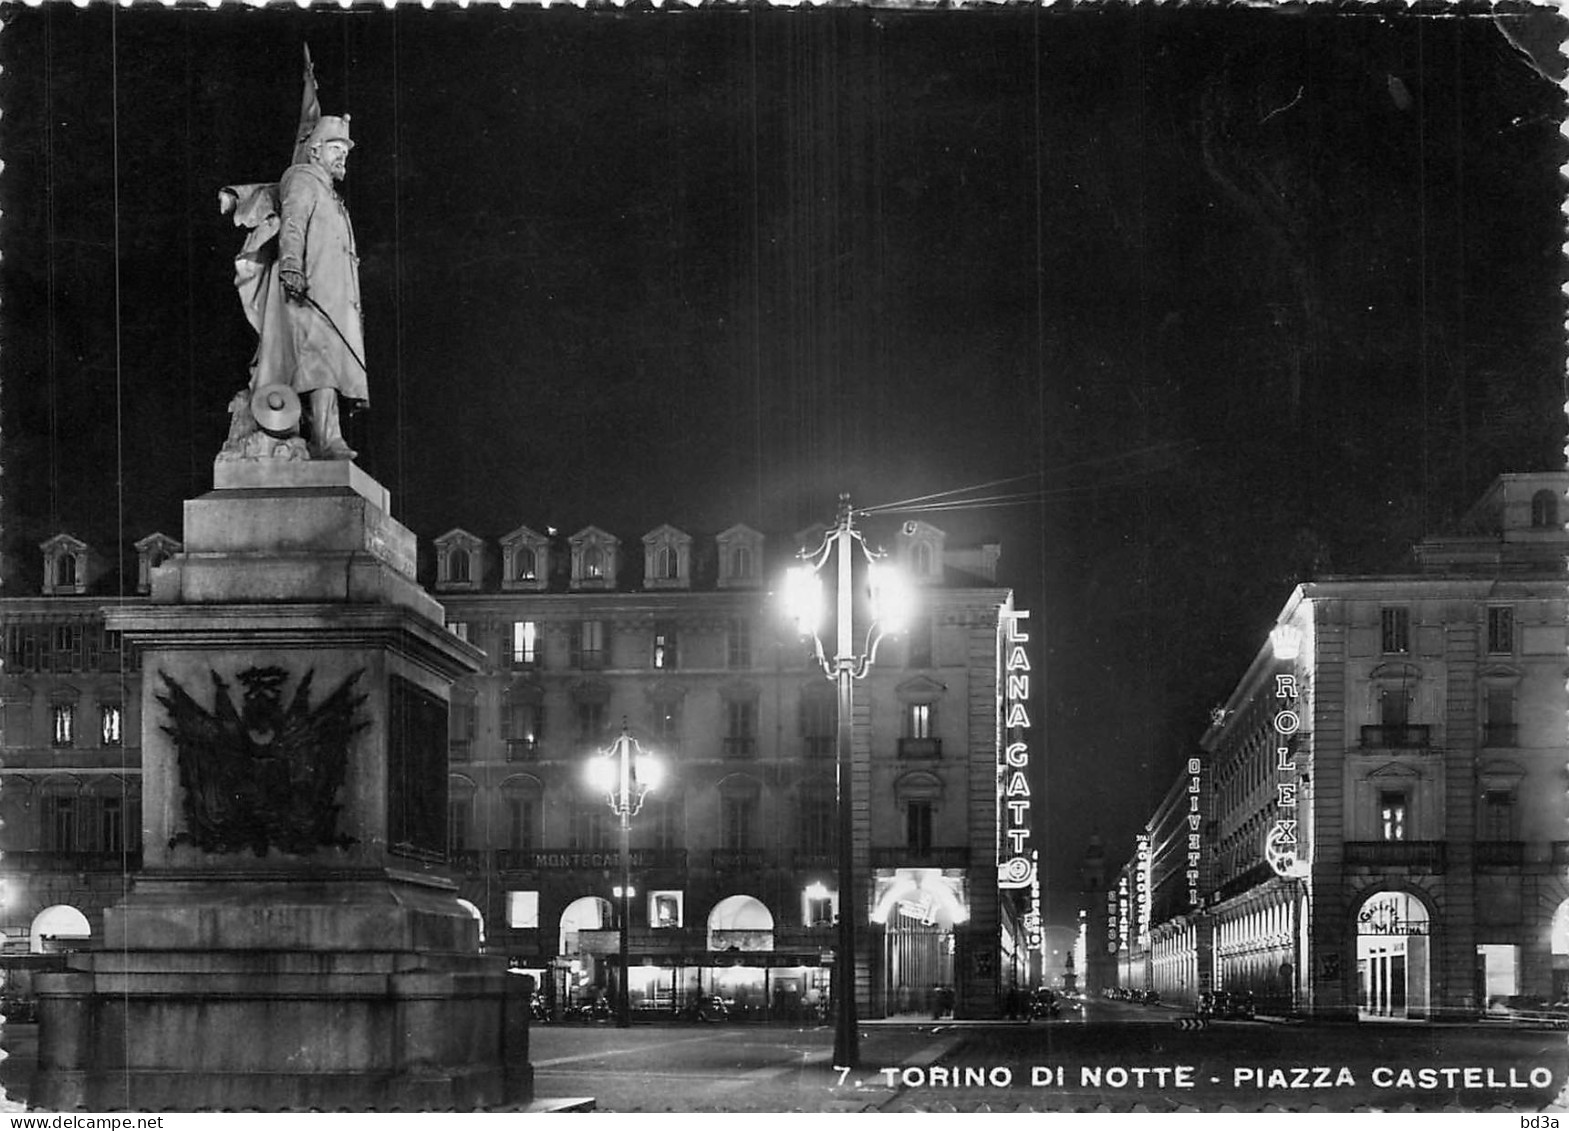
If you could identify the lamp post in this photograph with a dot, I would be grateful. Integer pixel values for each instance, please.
(625, 774)
(886, 602)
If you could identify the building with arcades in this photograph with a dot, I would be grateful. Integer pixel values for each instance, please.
(1389, 809)
(677, 639)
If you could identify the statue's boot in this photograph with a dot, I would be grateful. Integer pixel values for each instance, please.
(326, 432)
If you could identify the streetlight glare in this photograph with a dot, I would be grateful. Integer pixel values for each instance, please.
(650, 774)
(892, 599)
(803, 599)
(601, 774)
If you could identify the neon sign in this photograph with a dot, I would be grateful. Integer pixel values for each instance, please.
(1015, 860)
(1281, 848)
(1195, 820)
(1141, 890)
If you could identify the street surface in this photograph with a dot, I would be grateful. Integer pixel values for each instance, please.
(1114, 1056)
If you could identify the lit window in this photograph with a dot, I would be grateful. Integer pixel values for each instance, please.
(525, 642)
(64, 715)
(593, 562)
(1392, 815)
(110, 719)
(665, 654)
(459, 628)
(525, 564)
(665, 909)
(918, 720)
(523, 910)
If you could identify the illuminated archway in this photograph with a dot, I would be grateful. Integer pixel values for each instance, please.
(1394, 956)
(918, 909)
(740, 922)
(56, 927)
(590, 913)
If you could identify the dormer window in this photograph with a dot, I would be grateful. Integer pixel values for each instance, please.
(65, 566)
(1544, 510)
(667, 559)
(594, 559)
(923, 551)
(151, 552)
(740, 557)
(458, 563)
(525, 560)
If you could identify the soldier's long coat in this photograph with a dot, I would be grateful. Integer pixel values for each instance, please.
(302, 224)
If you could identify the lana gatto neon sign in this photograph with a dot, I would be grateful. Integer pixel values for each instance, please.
(1015, 858)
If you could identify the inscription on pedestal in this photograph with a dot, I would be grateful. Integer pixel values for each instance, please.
(416, 772)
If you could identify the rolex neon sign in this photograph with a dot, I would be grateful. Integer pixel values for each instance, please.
(1282, 849)
(1015, 860)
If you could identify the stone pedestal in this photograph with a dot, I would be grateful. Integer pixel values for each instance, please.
(293, 941)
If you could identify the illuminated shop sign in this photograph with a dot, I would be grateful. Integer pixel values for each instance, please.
(1141, 889)
(1112, 929)
(1282, 849)
(1195, 822)
(1122, 911)
(1015, 859)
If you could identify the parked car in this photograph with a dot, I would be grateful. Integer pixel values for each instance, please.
(1225, 1005)
(1044, 1004)
(1524, 1010)
(704, 1007)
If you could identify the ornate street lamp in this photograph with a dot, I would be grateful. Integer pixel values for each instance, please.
(624, 774)
(885, 603)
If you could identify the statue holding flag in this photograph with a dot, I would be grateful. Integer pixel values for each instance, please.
(298, 279)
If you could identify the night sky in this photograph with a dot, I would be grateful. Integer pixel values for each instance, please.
(1223, 299)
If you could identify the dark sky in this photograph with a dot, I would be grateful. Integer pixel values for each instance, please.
(1233, 296)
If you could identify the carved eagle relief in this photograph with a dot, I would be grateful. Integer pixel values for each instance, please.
(263, 775)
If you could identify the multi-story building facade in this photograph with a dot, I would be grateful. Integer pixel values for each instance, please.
(1388, 818)
(683, 646)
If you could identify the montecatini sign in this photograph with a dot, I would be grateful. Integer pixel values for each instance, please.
(1015, 859)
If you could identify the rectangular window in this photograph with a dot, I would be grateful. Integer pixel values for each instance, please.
(1394, 705)
(523, 910)
(740, 728)
(819, 725)
(1498, 815)
(525, 643)
(737, 815)
(524, 723)
(111, 824)
(586, 826)
(458, 824)
(1392, 816)
(738, 652)
(1395, 629)
(818, 830)
(664, 909)
(918, 720)
(1499, 729)
(918, 827)
(59, 823)
(522, 822)
(459, 628)
(64, 716)
(1501, 629)
(667, 727)
(110, 721)
(590, 721)
(663, 819)
(588, 645)
(665, 653)
(918, 647)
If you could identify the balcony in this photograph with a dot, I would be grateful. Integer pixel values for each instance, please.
(522, 750)
(1416, 855)
(1500, 853)
(1402, 736)
(1501, 734)
(896, 857)
(740, 746)
(522, 662)
(920, 748)
(110, 861)
(591, 660)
